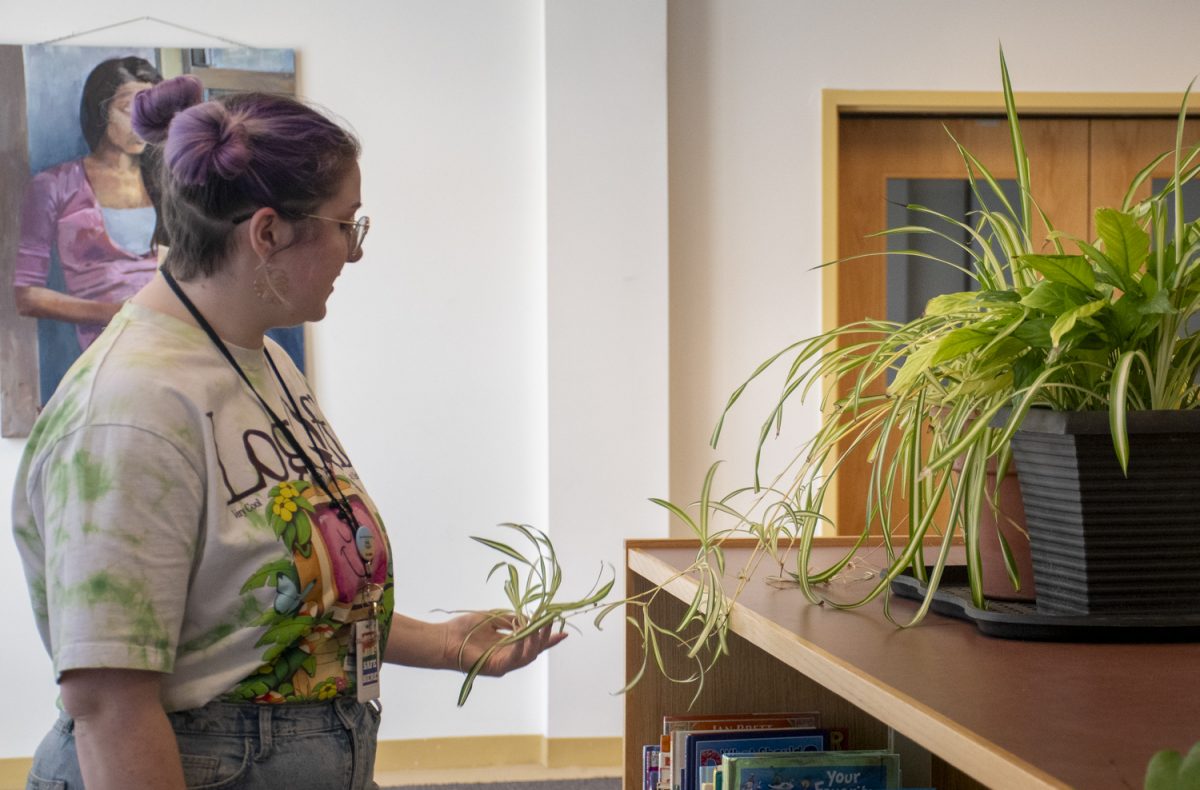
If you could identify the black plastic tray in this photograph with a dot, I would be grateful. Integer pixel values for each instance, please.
(1014, 620)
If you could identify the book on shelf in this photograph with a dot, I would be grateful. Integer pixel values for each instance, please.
(664, 762)
(807, 718)
(650, 767)
(849, 770)
(675, 727)
(703, 750)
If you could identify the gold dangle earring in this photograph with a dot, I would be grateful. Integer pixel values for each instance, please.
(270, 283)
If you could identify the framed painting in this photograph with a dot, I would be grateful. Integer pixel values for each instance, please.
(78, 224)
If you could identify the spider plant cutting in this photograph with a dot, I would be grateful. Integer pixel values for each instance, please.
(531, 584)
(701, 633)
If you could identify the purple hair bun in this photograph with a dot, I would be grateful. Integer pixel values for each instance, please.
(205, 141)
(155, 108)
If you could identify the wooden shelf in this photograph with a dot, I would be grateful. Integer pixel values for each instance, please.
(992, 712)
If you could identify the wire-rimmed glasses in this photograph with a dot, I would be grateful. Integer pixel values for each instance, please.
(360, 227)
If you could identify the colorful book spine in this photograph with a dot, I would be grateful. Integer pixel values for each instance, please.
(650, 767)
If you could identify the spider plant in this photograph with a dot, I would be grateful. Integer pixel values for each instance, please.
(531, 582)
(701, 633)
(1102, 328)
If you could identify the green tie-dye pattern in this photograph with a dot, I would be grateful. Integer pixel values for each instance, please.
(89, 528)
(28, 534)
(148, 633)
(90, 476)
(80, 479)
(52, 425)
(249, 611)
(37, 591)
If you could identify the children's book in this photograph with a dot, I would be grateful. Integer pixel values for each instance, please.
(703, 750)
(672, 756)
(650, 767)
(807, 718)
(854, 770)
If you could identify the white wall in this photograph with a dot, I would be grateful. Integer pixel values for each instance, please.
(435, 363)
(606, 83)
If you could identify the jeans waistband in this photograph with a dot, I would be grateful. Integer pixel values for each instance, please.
(252, 718)
(257, 719)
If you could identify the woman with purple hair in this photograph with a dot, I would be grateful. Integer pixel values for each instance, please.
(209, 576)
(96, 212)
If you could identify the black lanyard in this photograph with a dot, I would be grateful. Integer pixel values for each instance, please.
(341, 504)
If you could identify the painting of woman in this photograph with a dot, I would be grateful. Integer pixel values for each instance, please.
(94, 212)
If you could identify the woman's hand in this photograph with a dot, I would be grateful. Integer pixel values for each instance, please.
(470, 635)
(459, 642)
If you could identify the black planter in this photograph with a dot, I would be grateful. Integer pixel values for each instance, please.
(1104, 543)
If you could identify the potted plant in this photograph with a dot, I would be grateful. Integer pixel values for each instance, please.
(1056, 324)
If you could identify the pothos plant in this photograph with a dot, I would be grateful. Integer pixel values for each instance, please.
(1054, 321)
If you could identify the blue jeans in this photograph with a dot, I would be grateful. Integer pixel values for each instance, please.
(246, 746)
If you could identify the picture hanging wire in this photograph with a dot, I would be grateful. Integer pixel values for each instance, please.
(143, 19)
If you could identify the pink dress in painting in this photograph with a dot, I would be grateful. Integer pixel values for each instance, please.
(61, 212)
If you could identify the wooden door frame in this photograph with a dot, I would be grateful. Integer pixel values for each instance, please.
(836, 103)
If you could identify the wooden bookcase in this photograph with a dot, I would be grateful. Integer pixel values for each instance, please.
(991, 712)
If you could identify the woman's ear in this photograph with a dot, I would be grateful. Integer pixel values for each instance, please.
(269, 232)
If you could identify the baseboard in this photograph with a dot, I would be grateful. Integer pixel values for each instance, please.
(444, 753)
(583, 752)
(13, 772)
(496, 750)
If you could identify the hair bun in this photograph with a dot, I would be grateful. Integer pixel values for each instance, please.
(206, 141)
(156, 107)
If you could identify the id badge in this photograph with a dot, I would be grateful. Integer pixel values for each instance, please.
(367, 659)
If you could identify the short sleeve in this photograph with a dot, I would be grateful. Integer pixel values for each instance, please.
(121, 511)
(39, 218)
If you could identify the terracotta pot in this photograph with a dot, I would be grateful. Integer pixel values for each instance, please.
(1009, 522)
(1007, 519)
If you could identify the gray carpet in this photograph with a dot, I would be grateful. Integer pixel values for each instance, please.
(551, 784)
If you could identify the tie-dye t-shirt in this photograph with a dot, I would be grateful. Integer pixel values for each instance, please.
(165, 525)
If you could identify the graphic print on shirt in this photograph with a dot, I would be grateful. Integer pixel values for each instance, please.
(323, 588)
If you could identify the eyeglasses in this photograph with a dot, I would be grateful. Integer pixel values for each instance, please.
(359, 226)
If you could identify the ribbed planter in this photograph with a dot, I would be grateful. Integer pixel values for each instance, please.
(1104, 543)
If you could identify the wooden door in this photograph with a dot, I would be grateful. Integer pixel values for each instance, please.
(1076, 165)
(876, 150)
(1121, 147)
